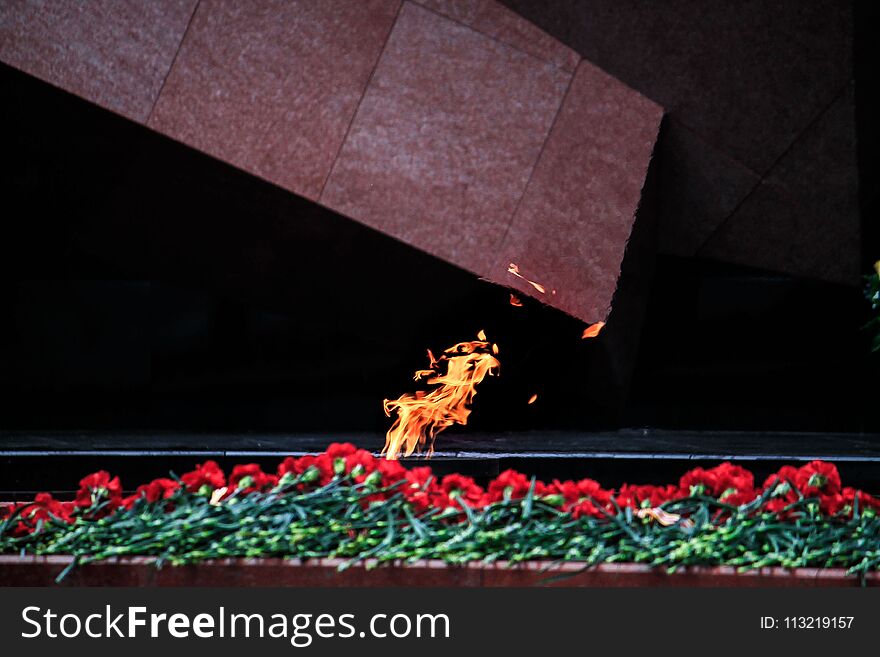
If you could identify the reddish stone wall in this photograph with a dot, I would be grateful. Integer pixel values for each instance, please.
(141, 571)
(455, 126)
(759, 149)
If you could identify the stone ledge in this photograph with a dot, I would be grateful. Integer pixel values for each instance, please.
(141, 571)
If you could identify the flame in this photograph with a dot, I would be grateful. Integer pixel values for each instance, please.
(422, 415)
(513, 269)
(593, 330)
(514, 301)
(533, 399)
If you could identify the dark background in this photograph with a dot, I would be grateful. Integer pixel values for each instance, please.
(146, 286)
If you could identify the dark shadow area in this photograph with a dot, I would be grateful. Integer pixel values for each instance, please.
(724, 347)
(144, 286)
(867, 53)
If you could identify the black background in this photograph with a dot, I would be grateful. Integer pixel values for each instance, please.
(143, 285)
(146, 286)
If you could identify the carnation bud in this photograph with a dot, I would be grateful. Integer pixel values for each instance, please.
(374, 478)
(358, 470)
(245, 482)
(781, 489)
(553, 500)
(205, 490)
(339, 466)
(817, 480)
(286, 479)
(311, 474)
(697, 489)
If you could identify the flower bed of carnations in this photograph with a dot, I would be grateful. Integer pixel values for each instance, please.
(347, 504)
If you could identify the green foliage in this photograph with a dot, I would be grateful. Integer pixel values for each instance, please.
(337, 520)
(872, 294)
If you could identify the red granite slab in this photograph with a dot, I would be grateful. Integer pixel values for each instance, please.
(141, 571)
(441, 136)
(745, 79)
(571, 228)
(272, 86)
(115, 53)
(497, 21)
(445, 138)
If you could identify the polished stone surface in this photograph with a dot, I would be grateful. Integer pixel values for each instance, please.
(423, 120)
(445, 139)
(748, 77)
(743, 83)
(497, 21)
(572, 225)
(115, 53)
(612, 457)
(655, 444)
(271, 87)
(330, 573)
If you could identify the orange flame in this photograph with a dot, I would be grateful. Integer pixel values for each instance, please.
(422, 415)
(513, 269)
(533, 399)
(593, 330)
(514, 301)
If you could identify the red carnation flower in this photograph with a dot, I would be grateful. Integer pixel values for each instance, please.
(453, 482)
(322, 464)
(384, 474)
(420, 487)
(784, 477)
(250, 478)
(586, 509)
(831, 504)
(645, 496)
(777, 506)
(391, 472)
(288, 466)
(699, 482)
(733, 478)
(43, 508)
(99, 486)
(583, 498)
(739, 498)
(455, 490)
(158, 489)
(850, 496)
(509, 483)
(818, 478)
(340, 450)
(360, 463)
(420, 479)
(207, 474)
